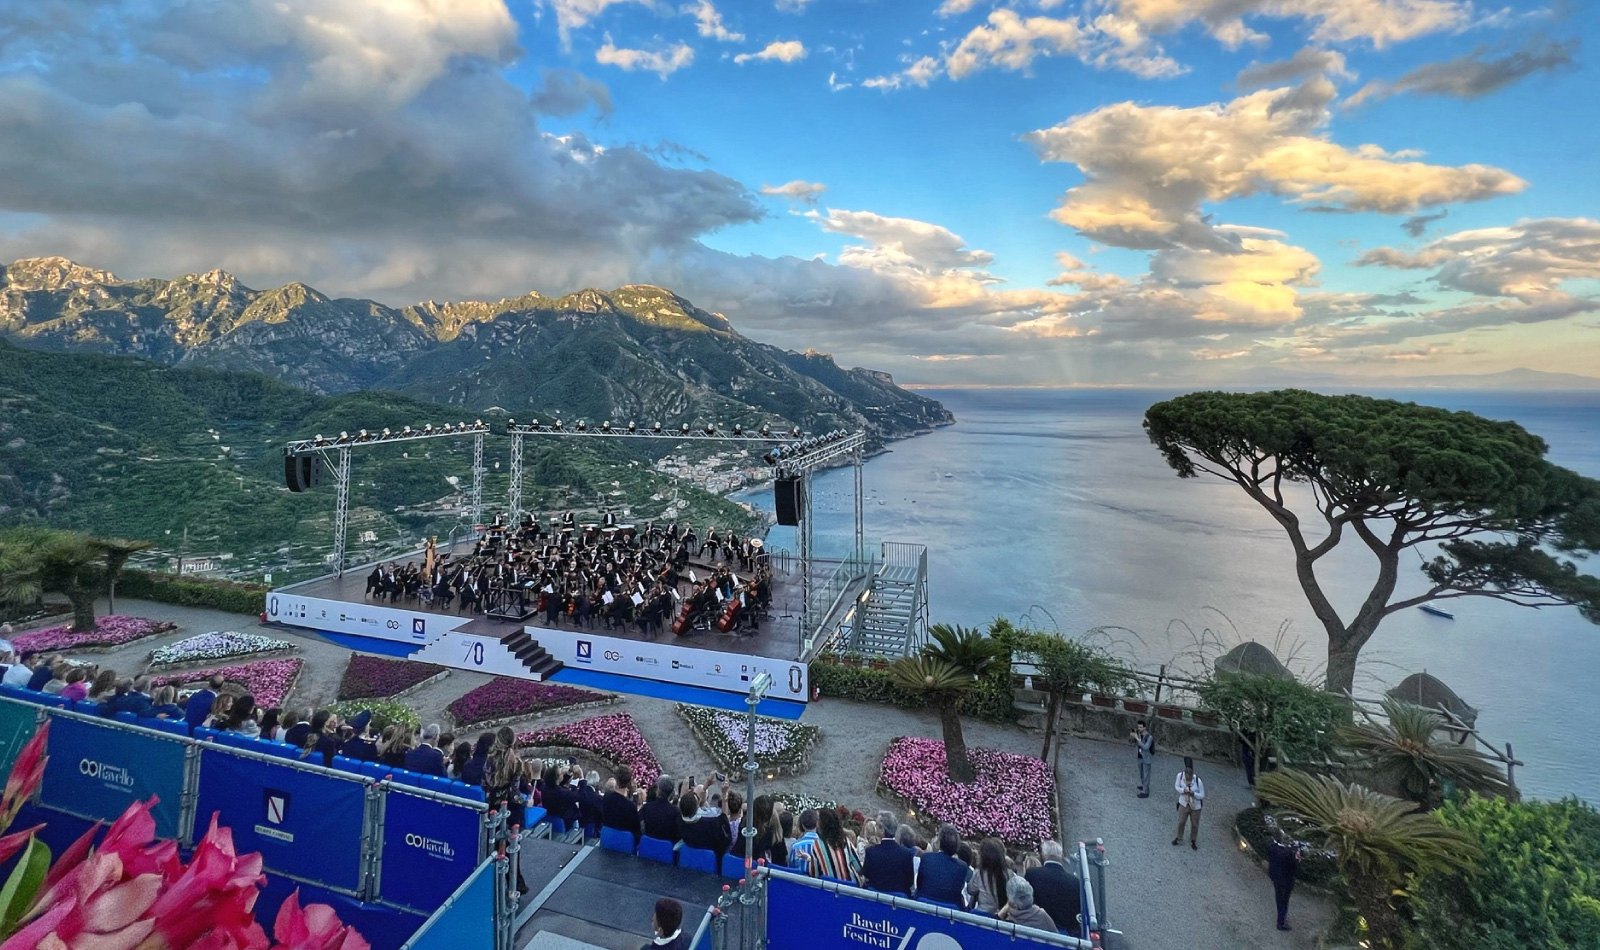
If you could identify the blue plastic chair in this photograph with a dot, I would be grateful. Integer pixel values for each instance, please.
(373, 769)
(205, 732)
(935, 903)
(557, 825)
(698, 859)
(733, 866)
(46, 699)
(532, 815)
(657, 849)
(87, 707)
(346, 765)
(617, 839)
(16, 692)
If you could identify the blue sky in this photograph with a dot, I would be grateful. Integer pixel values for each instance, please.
(1037, 192)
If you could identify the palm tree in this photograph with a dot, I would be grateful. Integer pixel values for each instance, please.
(943, 685)
(1377, 841)
(1404, 751)
(116, 552)
(964, 648)
(35, 561)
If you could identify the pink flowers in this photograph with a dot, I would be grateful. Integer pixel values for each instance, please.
(374, 677)
(316, 927)
(506, 698)
(269, 681)
(615, 737)
(1010, 799)
(109, 631)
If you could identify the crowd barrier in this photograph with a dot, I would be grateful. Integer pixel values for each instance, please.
(457, 924)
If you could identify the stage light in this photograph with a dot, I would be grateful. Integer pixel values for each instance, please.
(738, 429)
(657, 429)
(766, 430)
(794, 433)
(711, 428)
(582, 425)
(478, 424)
(684, 428)
(362, 435)
(406, 431)
(633, 427)
(344, 437)
(555, 426)
(386, 432)
(605, 426)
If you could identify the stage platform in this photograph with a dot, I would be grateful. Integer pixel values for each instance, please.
(602, 898)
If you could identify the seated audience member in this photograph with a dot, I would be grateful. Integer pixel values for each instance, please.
(355, 739)
(219, 711)
(590, 804)
(557, 796)
(802, 849)
(242, 717)
(19, 673)
(941, 876)
(786, 821)
(1020, 908)
(658, 818)
(77, 684)
(735, 812)
(472, 772)
(769, 844)
(392, 746)
(986, 890)
(667, 925)
(200, 703)
(427, 758)
(44, 670)
(889, 866)
(272, 724)
(460, 755)
(103, 686)
(111, 705)
(6, 646)
(617, 807)
(832, 856)
(696, 830)
(1056, 890)
(322, 739)
(165, 704)
(58, 677)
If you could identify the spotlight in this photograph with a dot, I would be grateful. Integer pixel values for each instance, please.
(684, 428)
(582, 426)
(766, 430)
(344, 436)
(633, 427)
(533, 426)
(738, 429)
(318, 438)
(555, 426)
(386, 433)
(362, 434)
(427, 429)
(510, 421)
(656, 429)
(605, 426)
(711, 428)
(794, 433)
(478, 424)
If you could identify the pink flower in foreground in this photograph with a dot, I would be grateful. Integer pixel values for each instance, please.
(314, 927)
(27, 772)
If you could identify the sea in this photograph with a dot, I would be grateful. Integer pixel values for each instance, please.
(1052, 507)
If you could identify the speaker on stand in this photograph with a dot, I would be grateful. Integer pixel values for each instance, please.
(789, 499)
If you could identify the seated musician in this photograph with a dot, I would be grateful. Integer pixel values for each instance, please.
(374, 581)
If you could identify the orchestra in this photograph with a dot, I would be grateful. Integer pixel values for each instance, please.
(572, 573)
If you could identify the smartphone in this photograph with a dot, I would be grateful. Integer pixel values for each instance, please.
(571, 761)
(721, 777)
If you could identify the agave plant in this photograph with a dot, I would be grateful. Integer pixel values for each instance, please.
(1377, 839)
(1403, 751)
(943, 684)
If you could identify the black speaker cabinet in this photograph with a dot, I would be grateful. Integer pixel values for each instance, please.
(301, 472)
(789, 498)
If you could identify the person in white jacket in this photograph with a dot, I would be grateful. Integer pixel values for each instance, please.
(1191, 798)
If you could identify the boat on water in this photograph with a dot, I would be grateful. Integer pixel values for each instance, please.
(1436, 611)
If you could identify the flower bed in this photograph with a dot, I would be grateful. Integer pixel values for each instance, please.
(373, 677)
(1012, 797)
(505, 699)
(269, 681)
(113, 630)
(217, 645)
(384, 712)
(782, 747)
(615, 738)
(797, 802)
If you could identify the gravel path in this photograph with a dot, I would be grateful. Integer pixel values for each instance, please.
(1161, 897)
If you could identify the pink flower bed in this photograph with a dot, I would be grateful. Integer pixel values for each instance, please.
(505, 697)
(1010, 799)
(373, 677)
(110, 631)
(268, 681)
(615, 737)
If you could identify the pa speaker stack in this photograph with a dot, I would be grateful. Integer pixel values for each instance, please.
(302, 472)
(789, 498)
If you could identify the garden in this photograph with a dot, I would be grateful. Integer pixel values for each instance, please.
(113, 630)
(1012, 797)
(614, 738)
(216, 646)
(375, 677)
(268, 681)
(782, 747)
(504, 700)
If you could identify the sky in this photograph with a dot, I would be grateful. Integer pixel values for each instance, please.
(1022, 192)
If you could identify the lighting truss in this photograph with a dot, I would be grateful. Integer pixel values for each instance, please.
(373, 436)
(807, 455)
(708, 432)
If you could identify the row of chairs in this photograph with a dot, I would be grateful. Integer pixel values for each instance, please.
(658, 849)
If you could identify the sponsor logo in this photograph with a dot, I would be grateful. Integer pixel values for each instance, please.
(272, 606)
(647, 660)
(435, 847)
(613, 655)
(882, 934)
(585, 651)
(108, 774)
(796, 680)
(717, 668)
(682, 665)
(419, 627)
(275, 809)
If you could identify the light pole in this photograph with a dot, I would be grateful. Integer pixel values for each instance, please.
(758, 689)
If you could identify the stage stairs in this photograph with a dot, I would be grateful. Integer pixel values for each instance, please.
(893, 619)
(531, 655)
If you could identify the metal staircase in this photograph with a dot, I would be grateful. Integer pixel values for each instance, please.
(892, 620)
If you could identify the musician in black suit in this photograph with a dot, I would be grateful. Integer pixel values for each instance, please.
(1056, 890)
(888, 865)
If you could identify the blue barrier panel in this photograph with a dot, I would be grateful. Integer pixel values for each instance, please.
(429, 848)
(466, 921)
(97, 771)
(305, 823)
(804, 917)
(18, 722)
(385, 928)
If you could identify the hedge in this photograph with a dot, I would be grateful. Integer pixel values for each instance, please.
(230, 596)
(1317, 868)
(992, 700)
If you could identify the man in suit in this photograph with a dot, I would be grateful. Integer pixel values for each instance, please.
(200, 703)
(889, 866)
(426, 757)
(616, 807)
(659, 816)
(1056, 890)
(942, 876)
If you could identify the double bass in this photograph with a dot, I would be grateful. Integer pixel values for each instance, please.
(682, 623)
(730, 613)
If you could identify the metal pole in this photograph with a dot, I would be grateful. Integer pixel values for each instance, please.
(1099, 860)
(516, 478)
(749, 829)
(805, 557)
(477, 478)
(860, 543)
(341, 513)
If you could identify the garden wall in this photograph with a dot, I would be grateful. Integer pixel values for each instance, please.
(1175, 736)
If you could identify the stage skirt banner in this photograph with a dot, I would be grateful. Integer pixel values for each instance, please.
(804, 917)
(18, 723)
(306, 824)
(96, 771)
(366, 620)
(429, 848)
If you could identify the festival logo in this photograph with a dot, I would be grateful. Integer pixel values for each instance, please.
(434, 847)
(272, 606)
(113, 775)
(419, 627)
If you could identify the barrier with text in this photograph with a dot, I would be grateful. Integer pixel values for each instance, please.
(430, 846)
(97, 770)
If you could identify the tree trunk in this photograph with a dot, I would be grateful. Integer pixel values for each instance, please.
(1052, 710)
(1371, 897)
(1341, 667)
(111, 595)
(82, 609)
(957, 765)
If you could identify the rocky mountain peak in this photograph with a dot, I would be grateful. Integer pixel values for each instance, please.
(52, 273)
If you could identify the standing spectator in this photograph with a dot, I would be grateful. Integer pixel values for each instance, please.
(460, 755)
(426, 758)
(942, 876)
(505, 783)
(19, 673)
(103, 686)
(1283, 862)
(1056, 890)
(165, 704)
(1191, 798)
(242, 717)
(617, 807)
(472, 772)
(889, 866)
(838, 857)
(200, 703)
(1145, 752)
(786, 822)
(77, 684)
(1020, 908)
(1248, 743)
(658, 818)
(735, 814)
(769, 845)
(667, 924)
(696, 830)
(987, 888)
(44, 670)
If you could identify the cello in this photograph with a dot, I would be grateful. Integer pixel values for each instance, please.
(682, 623)
(730, 613)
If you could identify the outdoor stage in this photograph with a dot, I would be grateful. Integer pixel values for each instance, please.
(705, 667)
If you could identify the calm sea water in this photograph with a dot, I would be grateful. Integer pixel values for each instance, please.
(1053, 505)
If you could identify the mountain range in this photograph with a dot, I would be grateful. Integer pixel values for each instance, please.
(638, 352)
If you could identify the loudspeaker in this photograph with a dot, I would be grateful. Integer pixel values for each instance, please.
(291, 473)
(789, 498)
(301, 472)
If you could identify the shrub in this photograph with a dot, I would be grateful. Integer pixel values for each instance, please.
(1537, 883)
(1296, 722)
(505, 697)
(850, 679)
(1255, 826)
(216, 646)
(371, 677)
(385, 712)
(230, 596)
(1010, 798)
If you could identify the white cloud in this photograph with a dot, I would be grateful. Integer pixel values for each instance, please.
(797, 190)
(955, 7)
(791, 6)
(1528, 261)
(661, 62)
(782, 51)
(708, 21)
(921, 72)
(572, 14)
(1379, 22)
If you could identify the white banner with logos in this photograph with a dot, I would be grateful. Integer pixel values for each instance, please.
(670, 663)
(364, 620)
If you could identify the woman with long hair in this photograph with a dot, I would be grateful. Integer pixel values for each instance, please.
(459, 757)
(769, 833)
(164, 705)
(472, 772)
(987, 888)
(836, 858)
(105, 682)
(219, 712)
(272, 724)
(242, 717)
(505, 783)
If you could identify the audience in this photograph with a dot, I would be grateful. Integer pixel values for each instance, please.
(697, 830)
(667, 924)
(43, 669)
(1056, 890)
(888, 865)
(242, 717)
(659, 816)
(272, 724)
(460, 755)
(164, 705)
(105, 683)
(472, 772)
(769, 844)
(77, 684)
(1020, 908)
(619, 807)
(987, 888)
(18, 672)
(942, 876)
(426, 758)
(200, 703)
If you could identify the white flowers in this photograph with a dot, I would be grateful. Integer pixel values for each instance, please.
(216, 645)
(779, 744)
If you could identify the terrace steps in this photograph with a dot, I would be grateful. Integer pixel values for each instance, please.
(535, 658)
